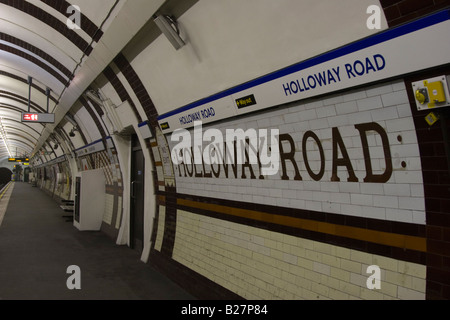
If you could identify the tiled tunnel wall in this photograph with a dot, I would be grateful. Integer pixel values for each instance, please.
(265, 237)
(302, 234)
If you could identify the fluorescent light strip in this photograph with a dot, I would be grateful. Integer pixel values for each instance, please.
(3, 136)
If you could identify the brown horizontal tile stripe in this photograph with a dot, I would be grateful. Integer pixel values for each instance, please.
(22, 100)
(138, 87)
(22, 138)
(120, 90)
(375, 236)
(94, 118)
(23, 80)
(51, 21)
(14, 128)
(27, 46)
(339, 219)
(34, 60)
(86, 24)
(32, 145)
(161, 200)
(19, 123)
(114, 190)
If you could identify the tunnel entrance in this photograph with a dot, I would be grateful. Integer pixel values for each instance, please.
(5, 176)
(26, 175)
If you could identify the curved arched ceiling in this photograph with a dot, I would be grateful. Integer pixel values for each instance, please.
(37, 43)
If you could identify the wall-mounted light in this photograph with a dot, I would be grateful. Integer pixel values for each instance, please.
(69, 119)
(55, 142)
(72, 132)
(94, 97)
(169, 27)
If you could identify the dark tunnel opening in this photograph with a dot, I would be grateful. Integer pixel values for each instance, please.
(5, 176)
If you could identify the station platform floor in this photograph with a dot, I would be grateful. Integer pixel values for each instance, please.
(37, 246)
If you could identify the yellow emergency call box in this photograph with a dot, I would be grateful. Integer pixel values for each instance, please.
(432, 93)
(436, 91)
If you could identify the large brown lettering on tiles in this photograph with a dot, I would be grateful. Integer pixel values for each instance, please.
(353, 154)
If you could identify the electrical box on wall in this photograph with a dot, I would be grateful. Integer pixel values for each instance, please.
(432, 93)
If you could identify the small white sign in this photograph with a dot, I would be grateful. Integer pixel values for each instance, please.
(206, 113)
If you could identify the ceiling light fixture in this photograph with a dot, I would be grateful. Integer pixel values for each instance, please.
(3, 136)
(94, 96)
(72, 132)
(169, 27)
